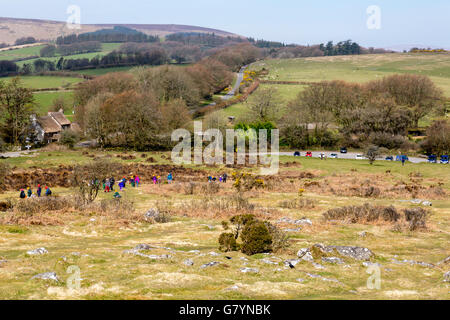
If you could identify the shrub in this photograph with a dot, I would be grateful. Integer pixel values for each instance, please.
(227, 242)
(256, 238)
(4, 170)
(280, 239)
(416, 217)
(69, 138)
(365, 213)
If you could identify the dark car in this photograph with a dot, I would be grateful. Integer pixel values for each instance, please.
(432, 158)
(389, 158)
(344, 150)
(297, 154)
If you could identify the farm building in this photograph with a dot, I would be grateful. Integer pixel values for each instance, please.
(48, 128)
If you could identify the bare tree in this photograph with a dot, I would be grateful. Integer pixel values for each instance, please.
(88, 178)
(265, 104)
(16, 106)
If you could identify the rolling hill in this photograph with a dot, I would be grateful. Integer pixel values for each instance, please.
(12, 29)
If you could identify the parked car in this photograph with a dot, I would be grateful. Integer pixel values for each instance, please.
(444, 159)
(334, 155)
(297, 154)
(432, 158)
(309, 154)
(389, 158)
(359, 157)
(344, 150)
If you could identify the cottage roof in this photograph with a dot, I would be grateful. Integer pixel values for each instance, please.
(60, 118)
(49, 124)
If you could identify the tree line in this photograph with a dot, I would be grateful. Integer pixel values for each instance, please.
(117, 34)
(377, 113)
(71, 49)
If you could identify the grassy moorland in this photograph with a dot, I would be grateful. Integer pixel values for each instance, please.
(95, 242)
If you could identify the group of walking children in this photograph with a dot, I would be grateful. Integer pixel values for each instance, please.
(223, 178)
(108, 184)
(29, 192)
(157, 179)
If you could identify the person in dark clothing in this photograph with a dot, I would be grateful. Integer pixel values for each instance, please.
(39, 190)
(22, 194)
(29, 192)
(112, 182)
(224, 178)
(48, 192)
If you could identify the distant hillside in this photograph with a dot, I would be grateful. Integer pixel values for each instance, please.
(12, 29)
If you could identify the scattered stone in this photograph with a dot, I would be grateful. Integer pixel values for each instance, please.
(292, 230)
(233, 288)
(318, 266)
(152, 214)
(149, 256)
(229, 258)
(296, 222)
(38, 251)
(211, 264)
(143, 247)
(356, 253)
(425, 203)
(292, 263)
(278, 270)
(303, 222)
(412, 262)
(47, 276)
(447, 277)
(92, 220)
(305, 254)
(249, 270)
(268, 261)
(188, 262)
(208, 226)
(76, 254)
(333, 260)
(214, 254)
(300, 280)
(243, 259)
(371, 264)
(316, 276)
(365, 234)
(194, 251)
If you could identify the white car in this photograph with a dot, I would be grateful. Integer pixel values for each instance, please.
(359, 157)
(333, 156)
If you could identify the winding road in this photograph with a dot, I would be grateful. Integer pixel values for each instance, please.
(240, 78)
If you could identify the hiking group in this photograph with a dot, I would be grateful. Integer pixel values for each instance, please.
(223, 178)
(30, 194)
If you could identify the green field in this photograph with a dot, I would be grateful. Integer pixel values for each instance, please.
(45, 99)
(286, 94)
(103, 71)
(106, 48)
(20, 53)
(359, 69)
(43, 82)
